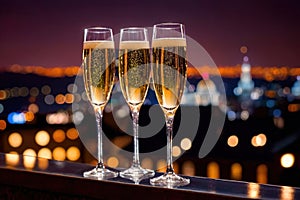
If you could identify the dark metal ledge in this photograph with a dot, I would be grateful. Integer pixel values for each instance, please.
(49, 179)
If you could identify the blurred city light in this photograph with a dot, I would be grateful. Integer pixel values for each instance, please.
(233, 141)
(73, 153)
(15, 139)
(287, 160)
(113, 162)
(213, 170)
(42, 138)
(186, 144)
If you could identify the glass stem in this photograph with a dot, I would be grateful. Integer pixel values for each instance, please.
(99, 117)
(169, 126)
(135, 119)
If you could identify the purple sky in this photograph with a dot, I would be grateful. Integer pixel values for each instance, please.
(49, 33)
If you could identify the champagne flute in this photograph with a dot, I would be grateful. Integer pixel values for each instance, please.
(169, 76)
(98, 74)
(134, 75)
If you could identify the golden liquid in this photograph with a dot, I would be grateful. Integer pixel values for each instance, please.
(99, 70)
(169, 72)
(134, 71)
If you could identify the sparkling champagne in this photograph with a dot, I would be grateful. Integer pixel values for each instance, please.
(169, 71)
(134, 71)
(99, 70)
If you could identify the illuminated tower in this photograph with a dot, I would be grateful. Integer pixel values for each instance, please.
(246, 84)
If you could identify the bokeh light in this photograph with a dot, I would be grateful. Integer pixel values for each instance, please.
(33, 108)
(287, 160)
(147, 163)
(262, 174)
(186, 144)
(59, 135)
(46, 89)
(73, 153)
(59, 154)
(2, 125)
(213, 170)
(45, 153)
(233, 141)
(236, 171)
(188, 168)
(42, 138)
(72, 133)
(176, 151)
(113, 162)
(15, 139)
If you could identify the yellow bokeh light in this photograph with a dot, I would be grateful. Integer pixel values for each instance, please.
(188, 168)
(233, 141)
(147, 163)
(113, 162)
(287, 160)
(186, 143)
(59, 135)
(59, 154)
(236, 171)
(213, 170)
(60, 99)
(253, 141)
(73, 153)
(72, 133)
(161, 165)
(15, 139)
(29, 116)
(261, 139)
(42, 138)
(69, 98)
(45, 153)
(176, 151)
(12, 159)
(262, 174)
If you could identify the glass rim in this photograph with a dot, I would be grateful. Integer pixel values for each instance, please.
(98, 28)
(168, 25)
(134, 28)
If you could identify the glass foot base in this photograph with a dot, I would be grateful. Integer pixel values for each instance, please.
(169, 180)
(137, 174)
(100, 173)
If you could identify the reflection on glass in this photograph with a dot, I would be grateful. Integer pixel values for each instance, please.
(12, 159)
(43, 163)
(29, 158)
(253, 190)
(287, 193)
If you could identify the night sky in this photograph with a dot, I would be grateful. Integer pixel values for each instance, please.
(50, 33)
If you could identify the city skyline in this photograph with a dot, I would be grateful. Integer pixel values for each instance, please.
(50, 33)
